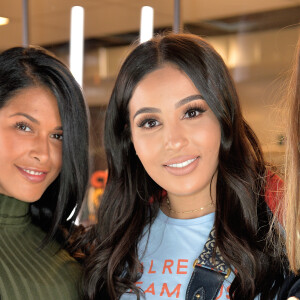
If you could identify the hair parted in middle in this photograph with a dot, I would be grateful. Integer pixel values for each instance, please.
(131, 198)
(23, 68)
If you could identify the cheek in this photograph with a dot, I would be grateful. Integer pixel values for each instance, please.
(57, 158)
(11, 145)
(142, 150)
(146, 149)
(208, 141)
(213, 144)
(213, 151)
(211, 137)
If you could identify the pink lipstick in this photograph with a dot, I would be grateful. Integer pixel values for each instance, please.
(33, 175)
(182, 165)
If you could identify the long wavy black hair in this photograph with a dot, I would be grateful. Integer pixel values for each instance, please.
(242, 218)
(22, 68)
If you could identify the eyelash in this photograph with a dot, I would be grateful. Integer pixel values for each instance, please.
(19, 126)
(191, 108)
(57, 134)
(194, 108)
(143, 122)
(23, 125)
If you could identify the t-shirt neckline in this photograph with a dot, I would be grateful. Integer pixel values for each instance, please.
(162, 217)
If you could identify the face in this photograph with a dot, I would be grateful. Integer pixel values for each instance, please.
(175, 134)
(30, 144)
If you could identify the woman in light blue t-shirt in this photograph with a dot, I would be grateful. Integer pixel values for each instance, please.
(181, 161)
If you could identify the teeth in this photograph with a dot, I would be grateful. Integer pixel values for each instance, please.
(183, 164)
(32, 172)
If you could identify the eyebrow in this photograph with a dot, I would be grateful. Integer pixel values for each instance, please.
(26, 116)
(188, 99)
(146, 110)
(32, 119)
(177, 105)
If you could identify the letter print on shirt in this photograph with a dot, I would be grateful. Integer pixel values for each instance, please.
(172, 248)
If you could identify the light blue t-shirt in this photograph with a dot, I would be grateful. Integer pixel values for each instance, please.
(173, 246)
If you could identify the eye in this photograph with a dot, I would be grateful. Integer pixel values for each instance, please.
(148, 123)
(57, 136)
(23, 126)
(193, 112)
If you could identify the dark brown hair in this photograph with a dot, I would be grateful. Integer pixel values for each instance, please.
(22, 68)
(242, 218)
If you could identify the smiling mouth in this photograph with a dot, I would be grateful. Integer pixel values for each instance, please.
(33, 176)
(183, 164)
(33, 172)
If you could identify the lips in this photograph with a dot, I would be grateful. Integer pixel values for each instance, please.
(182, 165)
(33, 175)
(33, 172)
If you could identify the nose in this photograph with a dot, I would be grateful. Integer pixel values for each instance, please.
(40, 149)
(175, 137)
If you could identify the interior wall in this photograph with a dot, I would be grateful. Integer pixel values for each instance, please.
(260, 63)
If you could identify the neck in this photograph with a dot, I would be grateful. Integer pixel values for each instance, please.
(187, 208)
(13, 211)
(191, 206)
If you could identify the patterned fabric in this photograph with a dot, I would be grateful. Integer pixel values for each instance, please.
(206, 258)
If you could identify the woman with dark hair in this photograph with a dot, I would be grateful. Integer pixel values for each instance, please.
(183, 214)
(44, 174)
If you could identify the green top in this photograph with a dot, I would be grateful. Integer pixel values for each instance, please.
(25, 272)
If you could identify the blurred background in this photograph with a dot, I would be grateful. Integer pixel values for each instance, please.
(256, 38)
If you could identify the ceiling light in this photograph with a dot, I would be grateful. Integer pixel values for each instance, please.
(4, 21)
(146, 29)
(76, 42)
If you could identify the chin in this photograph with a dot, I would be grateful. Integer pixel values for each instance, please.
(30, 198)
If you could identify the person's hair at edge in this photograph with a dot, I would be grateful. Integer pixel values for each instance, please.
(22, 68)
(292, 216)
(242, 218)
